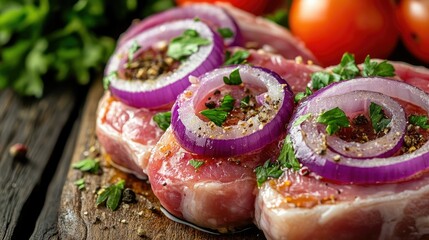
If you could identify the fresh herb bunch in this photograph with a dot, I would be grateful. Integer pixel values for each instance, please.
(68, 40)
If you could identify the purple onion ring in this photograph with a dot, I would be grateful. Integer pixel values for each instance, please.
(200, 137)
(164, 89)
(356, 170)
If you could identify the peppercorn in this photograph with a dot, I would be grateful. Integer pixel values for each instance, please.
(129, 196)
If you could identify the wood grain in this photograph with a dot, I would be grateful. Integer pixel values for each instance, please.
(38, 124)
(79, 218)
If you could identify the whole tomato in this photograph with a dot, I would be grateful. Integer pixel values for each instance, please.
(331, 27)
(413, 18)
(256, 7)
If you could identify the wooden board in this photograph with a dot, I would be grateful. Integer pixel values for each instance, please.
(40, 125)
(79, 218)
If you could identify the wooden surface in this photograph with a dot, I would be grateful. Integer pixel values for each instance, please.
(43, 125)
(79, 218)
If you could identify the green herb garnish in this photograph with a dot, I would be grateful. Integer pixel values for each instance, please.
(382, 69)
(287, 156)
(301, 95)
(111, 195)
(195, 163)
(162, 119)
(133, 49)
(334, 119)
(80, 183)
(378, 119)
(233, 79)
(321, 79)
(269, 169)
(245, 101)
(225, 32)
(421, 121)
(219, 115)
(286, 159)
(301, 119)
(88, 165)
(347, 69)
(239, 57)
(107, 79)
(185, 45)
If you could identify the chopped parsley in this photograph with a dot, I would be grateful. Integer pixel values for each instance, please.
(347, 69)
(287, 156)
(334, 119)
(239, 57)
(196, 163)
(421, 121)
(286, 159)
(163, 119)
(185, 45)
(301, 95)
(219, 115)
(382, 69)
(322, 79)
(245, 101)
(225, 32)
(269, 169)
(301, 119)
(88, 165)
(80, 183)
(233, 79)
(107, 79)
(379, 121)
(133, 49)
(111, 195)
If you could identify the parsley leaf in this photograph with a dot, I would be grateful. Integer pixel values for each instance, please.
(107, 79)
(287, 156)
(163, 119)
(215, 115)
(301, 95)
(421, 121)
(347, 69)
(195, 163)
(133, 49)
(233, 79)
(239, 57)
(378, 119)
(185, 45)
(269, 169)
(382, 69)
(80, 183)
(111, 195)
(87, 165)
(245, 101)
(333, 119)
(301, 119)
(225, 32)
(321, 79)
(219, 115)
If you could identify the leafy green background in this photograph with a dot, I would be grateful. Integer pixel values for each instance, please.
(45, 41)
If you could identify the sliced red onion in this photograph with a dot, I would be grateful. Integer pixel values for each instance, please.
(164, 89)
(307, 144)
(212, 14)
(357, 102)
(201, 137)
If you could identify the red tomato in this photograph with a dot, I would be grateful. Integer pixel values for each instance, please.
(256, 7)
(331, 27)
(413, 18)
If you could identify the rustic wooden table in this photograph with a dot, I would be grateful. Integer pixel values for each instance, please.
(38, 198)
